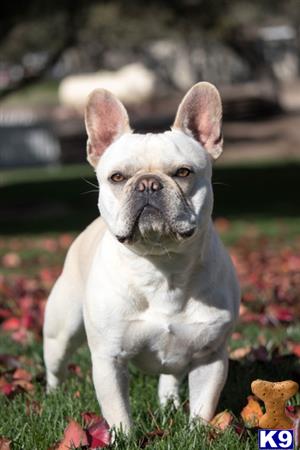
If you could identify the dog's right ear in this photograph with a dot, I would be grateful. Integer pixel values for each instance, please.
(106, 119)
(200, 115)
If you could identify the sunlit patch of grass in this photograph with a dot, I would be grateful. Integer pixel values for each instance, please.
(39, 94)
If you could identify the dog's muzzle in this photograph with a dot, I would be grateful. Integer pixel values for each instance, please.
(150, 211)
(148, 184)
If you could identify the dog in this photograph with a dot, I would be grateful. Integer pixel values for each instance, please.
(149, 281)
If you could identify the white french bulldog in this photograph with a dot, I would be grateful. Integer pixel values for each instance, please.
(150, 280)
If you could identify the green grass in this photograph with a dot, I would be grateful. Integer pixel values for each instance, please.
(37, 174)
(38, 432)
(37, 204)
(42, 93)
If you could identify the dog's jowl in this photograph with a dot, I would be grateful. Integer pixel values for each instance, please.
(150, 280)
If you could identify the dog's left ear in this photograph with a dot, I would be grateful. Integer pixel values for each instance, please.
(200, 115)
(106, 119)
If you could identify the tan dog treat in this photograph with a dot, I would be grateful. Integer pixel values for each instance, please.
(274, 396)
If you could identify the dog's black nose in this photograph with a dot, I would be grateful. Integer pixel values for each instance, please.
(148, 183)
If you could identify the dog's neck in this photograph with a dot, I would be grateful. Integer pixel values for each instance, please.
(191, 252)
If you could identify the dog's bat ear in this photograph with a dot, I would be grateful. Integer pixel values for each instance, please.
(106, 119)
(200, 115)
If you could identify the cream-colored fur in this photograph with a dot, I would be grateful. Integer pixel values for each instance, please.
(157, 288)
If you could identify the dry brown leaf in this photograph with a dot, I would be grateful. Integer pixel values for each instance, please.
(252, 412)
(5, 444)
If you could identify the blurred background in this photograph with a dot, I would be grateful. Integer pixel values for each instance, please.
(52, 54)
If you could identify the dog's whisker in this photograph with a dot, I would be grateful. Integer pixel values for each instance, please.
(91, 183)
(220, 183)
(89, 192)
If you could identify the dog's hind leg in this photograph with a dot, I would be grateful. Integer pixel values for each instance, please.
(63, 329)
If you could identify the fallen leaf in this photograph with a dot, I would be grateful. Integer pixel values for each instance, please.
(98, 434)
(240, 352)
(89, 418)
(21, 336)
(11, 324)
(75, 369)
(295, 348)
(252, 412)
(280, 314)
(22, 374)
(293, 411)
(236, 336)
(5, 444)
(222, 420)
(33, 407)
(24, 384)
(11, 260)
(65, 240)
(74, 436)
(7, 388)
(222, 224)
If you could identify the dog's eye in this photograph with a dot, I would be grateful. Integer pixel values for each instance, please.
(183, 172)
(117, 177)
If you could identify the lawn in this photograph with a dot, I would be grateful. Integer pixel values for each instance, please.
(42, 212)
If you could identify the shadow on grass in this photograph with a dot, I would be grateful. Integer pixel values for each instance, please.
(69, 205)
(242, 373)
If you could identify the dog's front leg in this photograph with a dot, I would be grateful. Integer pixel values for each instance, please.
(110, 378)
(168, 389)
(206, 382)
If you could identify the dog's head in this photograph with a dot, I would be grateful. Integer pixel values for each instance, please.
(155, 189)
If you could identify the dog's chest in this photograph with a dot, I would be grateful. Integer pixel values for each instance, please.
(165, 332)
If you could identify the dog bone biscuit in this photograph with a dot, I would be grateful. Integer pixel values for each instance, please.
(274, 396)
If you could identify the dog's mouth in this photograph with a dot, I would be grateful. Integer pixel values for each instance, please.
(150, 224)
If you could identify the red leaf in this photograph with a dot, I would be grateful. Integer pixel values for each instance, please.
(4, 444)
(22, 374)
(11, 260)
(11, 324)
(89, 418)
(98, 434)
(20, 336)
(222, 224)
(6, 388)
(293, 411)
(75, 369)
(74, 436)
(252, 412)
(295, 348)
(281, 314)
